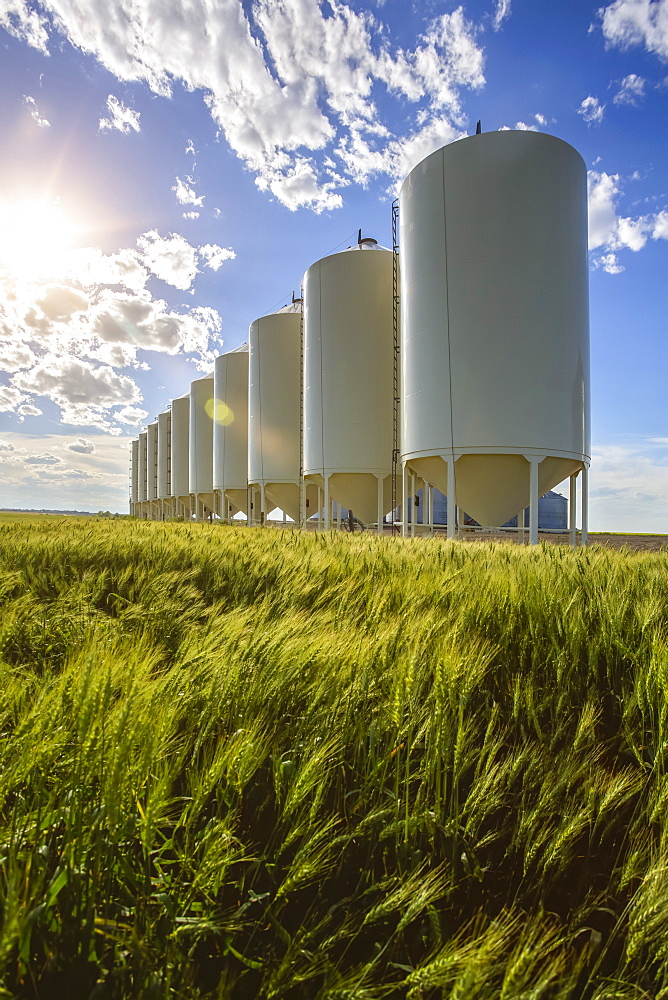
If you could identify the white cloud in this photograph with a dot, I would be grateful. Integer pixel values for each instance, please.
(10, 399)
(283, 79)
(541, 119)
(660, 229)
(71, 382)
(121, 118)
(133, 415)
(90, 267)
(82, 445)
(215, 256)
(631, 91)
(94, 316)
(15, 355)
(190, 215)
(20, 21)
(41, 460)
(610, 231)
(190, 148)
(60, 302)
(603, 192)
(33, 111)
(519, 127)
(592, 110)
(186, 194)
(170, 258)
(637, 22)
(609, 262)
(46, 471)
(501, 12)
(628, 489)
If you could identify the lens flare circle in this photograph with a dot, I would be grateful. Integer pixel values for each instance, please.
(219, 412)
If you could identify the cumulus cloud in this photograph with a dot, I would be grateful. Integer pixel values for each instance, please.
(631, 91)
(132, 415)
(628, 489)
(10, 398)
(82, 445)
(215, 256)
(609, 231)
(60, 302)
(592, 110)
(627, 23)
(66, 337)
(42, 460)
(186, 194)
(15, 355)
(286, 81)
(20, 21)
(121, 118)
(171, 258)
(89, 266)
(46, 471)
(191, 215)
(519, 127)
(31, 104)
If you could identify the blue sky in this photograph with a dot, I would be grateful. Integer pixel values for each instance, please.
(169, 169)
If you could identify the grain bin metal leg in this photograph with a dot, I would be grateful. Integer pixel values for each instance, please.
(381, 503)
(404, 500)
(572, 508)
(327, 504)
(452, 499)
(585, 505)
(533, 502)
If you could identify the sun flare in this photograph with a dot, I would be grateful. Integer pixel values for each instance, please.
(34, 237)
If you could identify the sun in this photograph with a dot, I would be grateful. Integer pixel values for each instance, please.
(34, 238)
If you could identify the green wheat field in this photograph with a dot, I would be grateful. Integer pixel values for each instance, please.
(243, 763)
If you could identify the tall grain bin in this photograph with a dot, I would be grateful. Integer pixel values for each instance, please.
(134, 476)
(152, 467)
(230, 431)
(142, 480)
(495, 321)
(201, 445)
(349, 379)
(180, 455)
(164, 461)
(274, 413)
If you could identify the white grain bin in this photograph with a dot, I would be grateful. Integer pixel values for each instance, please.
(164, 460)
(274, 413)
(152, 467)
(134, 476)
(201, 445)
(180, 434)
(349, 379)
(495, 320)
(142, 475)
(230, 431)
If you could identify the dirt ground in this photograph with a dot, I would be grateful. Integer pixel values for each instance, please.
(647, 543)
